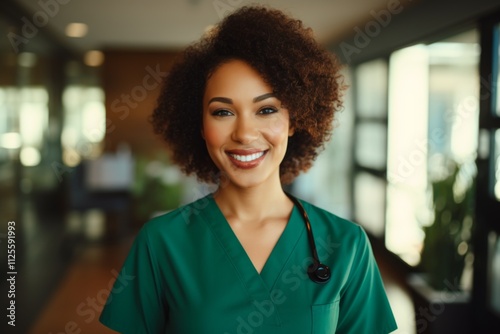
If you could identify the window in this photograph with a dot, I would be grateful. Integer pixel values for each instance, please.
(371, 89)
(327, 184)
(370, 145)
(24, 119)
(407, 151)
(84, 123)
(432, 133)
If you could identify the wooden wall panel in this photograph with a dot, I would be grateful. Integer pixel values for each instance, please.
(132, 82)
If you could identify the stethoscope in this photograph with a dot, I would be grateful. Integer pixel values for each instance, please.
(318, 272)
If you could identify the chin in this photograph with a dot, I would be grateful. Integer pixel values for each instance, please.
(240, 180)
(243, 182)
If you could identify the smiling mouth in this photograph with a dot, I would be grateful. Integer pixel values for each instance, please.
(248, 157)
(246, 160)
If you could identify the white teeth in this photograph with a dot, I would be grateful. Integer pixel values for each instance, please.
(247, 158)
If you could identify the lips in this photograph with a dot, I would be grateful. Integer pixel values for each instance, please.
(246, 159)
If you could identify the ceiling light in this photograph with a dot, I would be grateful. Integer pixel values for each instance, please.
(93, 58)
(76, 30)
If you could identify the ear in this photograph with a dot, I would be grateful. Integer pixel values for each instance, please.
(291, 131)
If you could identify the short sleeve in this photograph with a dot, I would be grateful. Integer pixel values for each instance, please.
(135, 303)
(364, 307)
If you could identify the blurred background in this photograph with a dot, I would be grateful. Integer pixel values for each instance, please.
(414, 158)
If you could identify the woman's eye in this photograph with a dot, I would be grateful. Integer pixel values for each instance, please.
(268, 110)
(222, 113)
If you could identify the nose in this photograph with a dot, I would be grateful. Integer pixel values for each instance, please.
(245, 130)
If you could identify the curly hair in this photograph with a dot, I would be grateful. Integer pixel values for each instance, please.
(304, 76)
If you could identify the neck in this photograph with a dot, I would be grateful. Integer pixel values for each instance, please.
(252, 204)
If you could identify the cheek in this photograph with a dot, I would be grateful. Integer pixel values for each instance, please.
(277, 128)
(213, 135)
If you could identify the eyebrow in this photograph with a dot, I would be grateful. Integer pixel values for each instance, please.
(263, 97)
(230, 101)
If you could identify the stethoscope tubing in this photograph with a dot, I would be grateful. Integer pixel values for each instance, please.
(318, 272)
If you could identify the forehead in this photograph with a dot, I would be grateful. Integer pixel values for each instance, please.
(236, 77)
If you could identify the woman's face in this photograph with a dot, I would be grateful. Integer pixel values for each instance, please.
(245, 127)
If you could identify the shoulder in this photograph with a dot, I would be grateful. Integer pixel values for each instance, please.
(178, 221)
(337, 235)
(325, 220)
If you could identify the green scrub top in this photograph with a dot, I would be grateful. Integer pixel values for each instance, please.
(187, 273)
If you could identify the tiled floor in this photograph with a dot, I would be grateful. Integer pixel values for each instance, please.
(76, 304)
(65, 272)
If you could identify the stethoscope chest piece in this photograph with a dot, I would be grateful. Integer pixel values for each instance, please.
(320, 274)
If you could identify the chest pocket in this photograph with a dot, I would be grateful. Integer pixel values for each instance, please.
(324, 318)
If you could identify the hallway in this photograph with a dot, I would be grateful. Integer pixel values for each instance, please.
(414, 156)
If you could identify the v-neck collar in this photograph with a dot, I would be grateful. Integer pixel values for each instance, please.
(260, 285)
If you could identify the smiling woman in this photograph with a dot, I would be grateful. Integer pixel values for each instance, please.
(248, 108)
